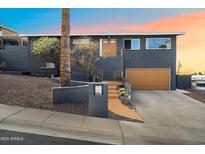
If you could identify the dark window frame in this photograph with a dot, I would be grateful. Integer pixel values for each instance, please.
(131, 39)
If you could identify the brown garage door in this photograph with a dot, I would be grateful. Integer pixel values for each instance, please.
(148, 78)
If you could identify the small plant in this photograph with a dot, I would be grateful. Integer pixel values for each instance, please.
(121, 91)
(49, 47)
(85, 52)
(3, 66)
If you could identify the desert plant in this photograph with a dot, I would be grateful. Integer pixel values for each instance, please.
(48, 47)
(85, 51)
(3, 66)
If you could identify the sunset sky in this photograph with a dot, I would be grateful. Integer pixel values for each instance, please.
(190, 47)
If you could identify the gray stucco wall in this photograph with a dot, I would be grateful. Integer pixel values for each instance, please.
(109, 66)
(143, 58)
(183, 81)
(78, 74)
(15, 57)
(37, 65)
(75, 94)
(18, 58)
(98, 104)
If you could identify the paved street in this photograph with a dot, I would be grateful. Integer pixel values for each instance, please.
(17, 138)
(169, 117)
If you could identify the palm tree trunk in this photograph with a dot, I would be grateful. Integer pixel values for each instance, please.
(65, 68)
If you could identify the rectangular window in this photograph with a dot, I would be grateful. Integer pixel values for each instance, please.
(81, 41)
(158, 43)
(132, 44)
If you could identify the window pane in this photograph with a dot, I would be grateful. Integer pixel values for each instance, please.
(161, 43)
(127, 44)
(135, 44)
(81, 41)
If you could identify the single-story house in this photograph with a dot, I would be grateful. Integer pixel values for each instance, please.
(146, 59)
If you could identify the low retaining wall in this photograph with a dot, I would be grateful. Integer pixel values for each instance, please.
(94, 93)
(73, 82)
(72, 94)
(78, 83)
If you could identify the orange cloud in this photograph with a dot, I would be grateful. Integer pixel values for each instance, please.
(190, 47)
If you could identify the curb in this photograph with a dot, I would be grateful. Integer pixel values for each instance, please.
(60, 131)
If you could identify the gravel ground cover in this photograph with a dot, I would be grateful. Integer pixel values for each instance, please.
(26, 91)
(35, 92)
(197, 95)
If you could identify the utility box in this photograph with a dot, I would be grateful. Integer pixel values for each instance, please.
(98, 99)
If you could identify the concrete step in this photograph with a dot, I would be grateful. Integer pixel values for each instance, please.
(112, 86)
(112, 96)
(115, 85)
(114, 82)
(112, 91)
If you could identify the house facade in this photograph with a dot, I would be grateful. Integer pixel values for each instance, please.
(146, 60)
(9, 37)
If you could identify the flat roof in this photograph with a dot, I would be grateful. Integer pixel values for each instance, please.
(108, 34)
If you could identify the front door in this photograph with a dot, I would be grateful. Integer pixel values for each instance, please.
(109, 47)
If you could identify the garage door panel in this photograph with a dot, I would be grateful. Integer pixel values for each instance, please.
(148, 78)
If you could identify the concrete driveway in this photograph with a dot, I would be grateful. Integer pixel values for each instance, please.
(170, 117)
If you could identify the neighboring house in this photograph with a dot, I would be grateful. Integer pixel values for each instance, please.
(198, 82)
(9, 37)
(146, 60)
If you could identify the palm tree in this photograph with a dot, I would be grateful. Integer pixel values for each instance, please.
(65, 68)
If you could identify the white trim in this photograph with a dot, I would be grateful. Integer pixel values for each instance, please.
(131, 43)
(147, 39)
(170, 79)
(109, 34)
(101, 47)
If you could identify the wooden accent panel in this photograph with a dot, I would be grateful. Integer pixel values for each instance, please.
(109, 47)
(148, 78)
